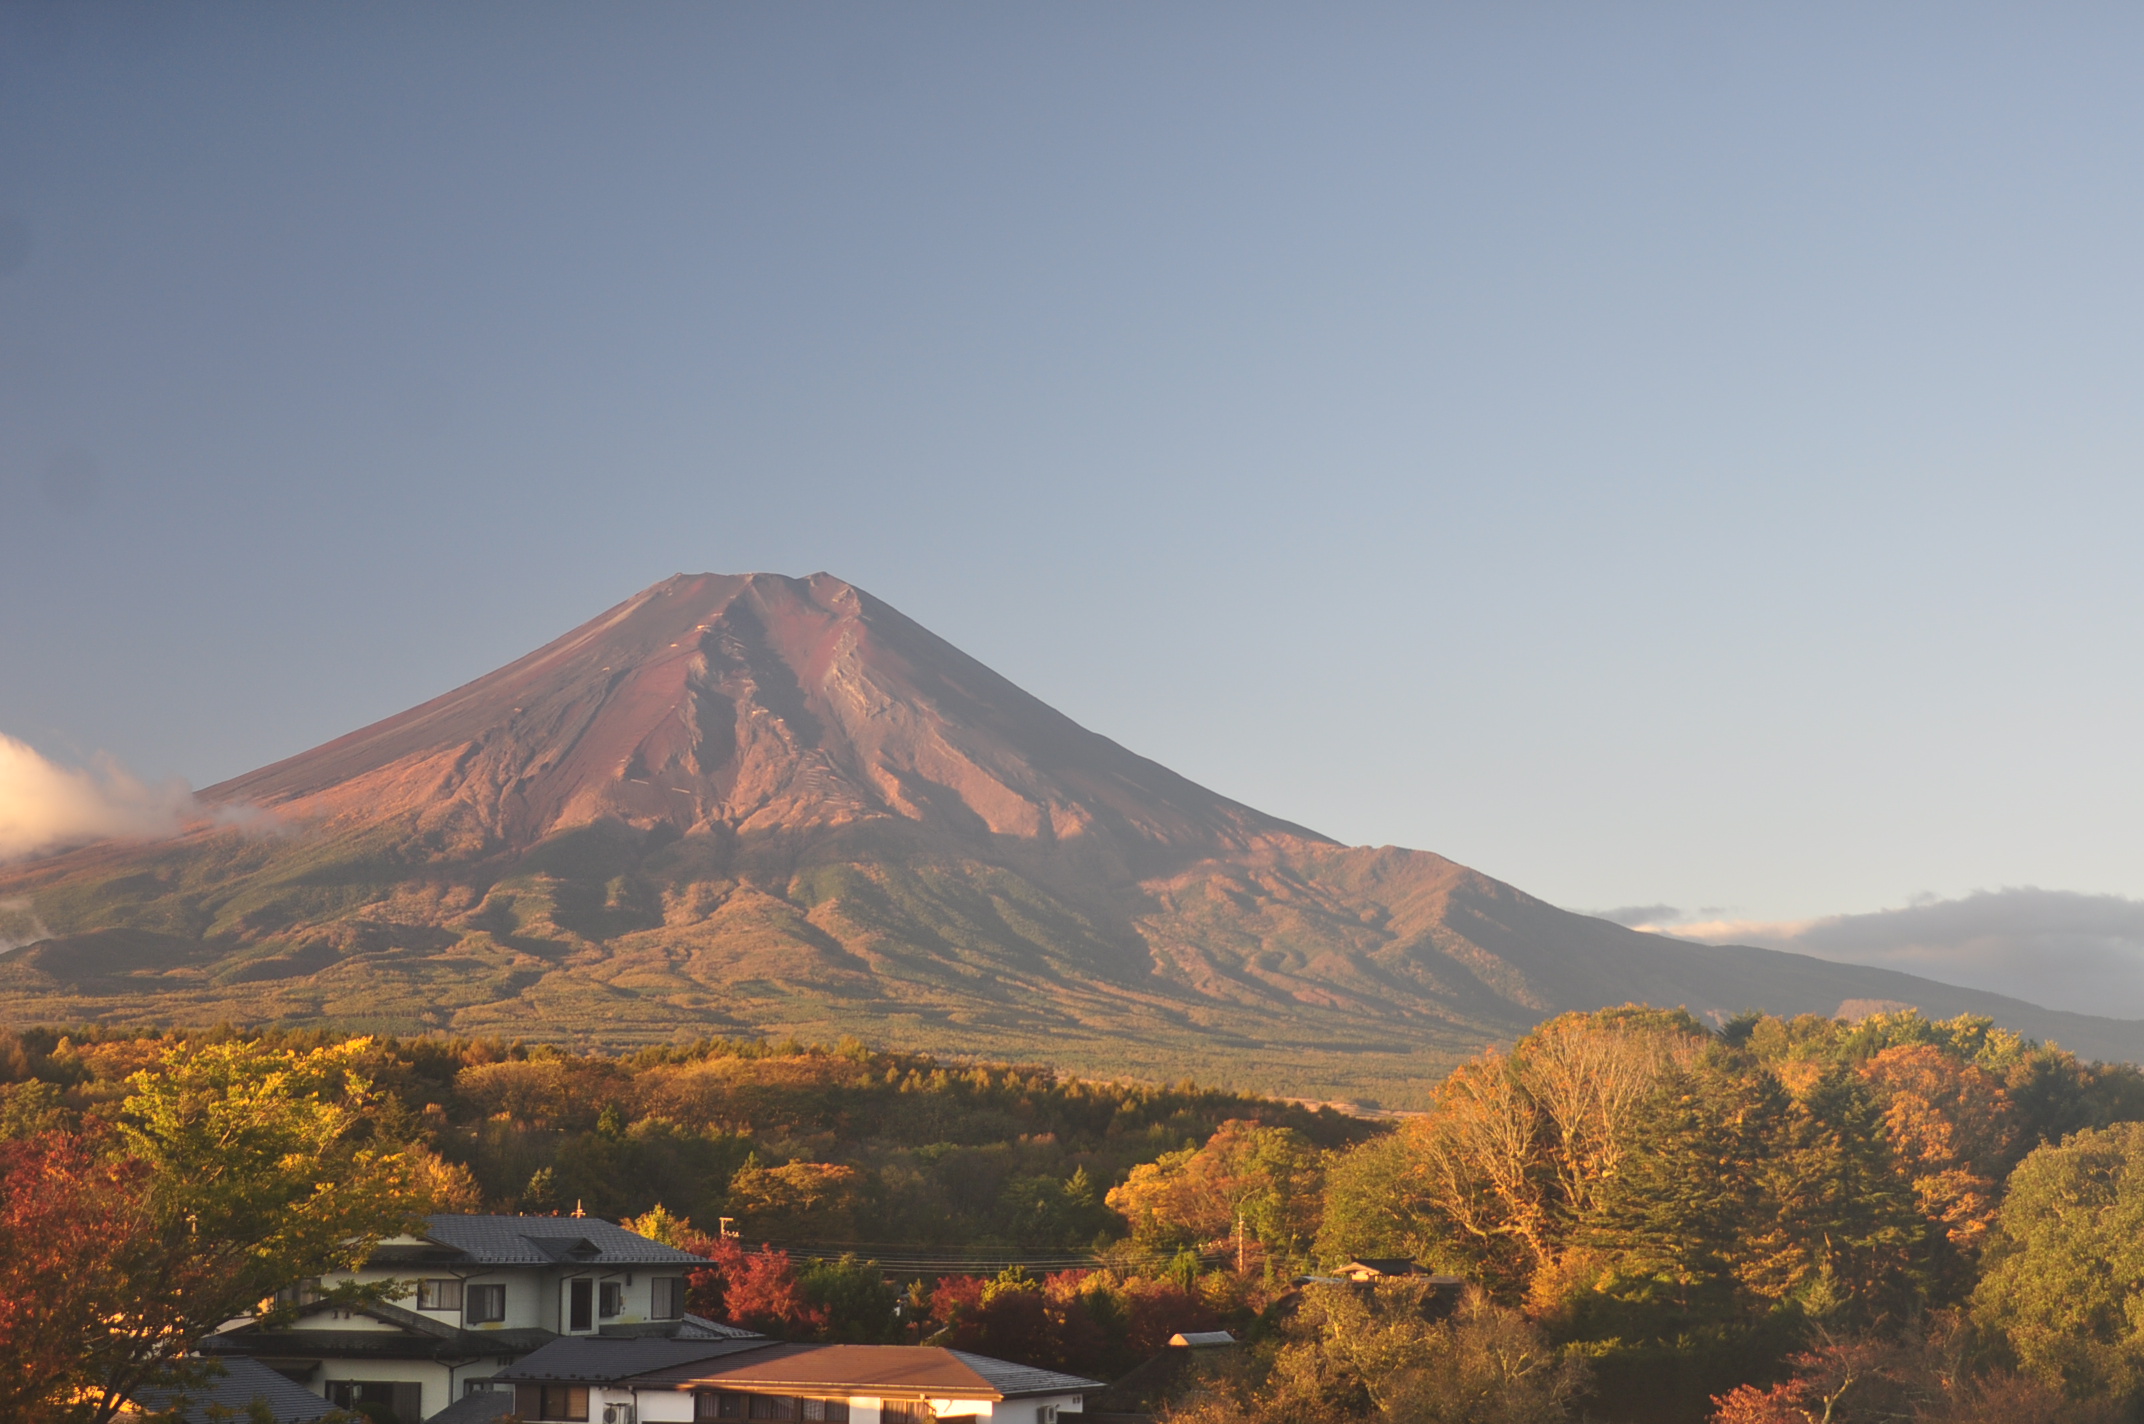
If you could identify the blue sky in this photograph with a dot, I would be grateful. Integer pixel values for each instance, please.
(1664, 455)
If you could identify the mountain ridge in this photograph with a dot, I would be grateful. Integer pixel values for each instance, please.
(758, 804)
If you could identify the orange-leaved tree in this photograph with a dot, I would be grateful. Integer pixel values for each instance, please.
(1953, 1132)
(1264, 1181)
(73, 1224)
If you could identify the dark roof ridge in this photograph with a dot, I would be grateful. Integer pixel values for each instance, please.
(488, 1239)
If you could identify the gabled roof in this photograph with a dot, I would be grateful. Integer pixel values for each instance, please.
(419, 1337)
(600, 1359)
(241, 1382)
(531, 1241)
(889, 1371)
(1144, 1389)
(415, 1336)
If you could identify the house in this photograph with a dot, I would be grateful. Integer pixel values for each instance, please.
(1440, 1299)
(679, 1382)
(484, 1292)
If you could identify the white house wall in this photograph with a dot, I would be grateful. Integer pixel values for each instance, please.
(535, 1297)
(1029, 1410)
(439, 1392)
(655, 1406)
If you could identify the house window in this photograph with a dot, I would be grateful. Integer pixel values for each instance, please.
(439, 1295)
(668, 1298)
(580, 1305)
(552, 1401)
(771, 1406)
(304, 1292)
(831, 1411)
(707, 1404)
(610, 1300)
(1045, 1414)
(484, 1305)
(915, 1411)
(381, 1400)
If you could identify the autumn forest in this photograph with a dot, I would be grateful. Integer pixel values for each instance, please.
(1647, 1218)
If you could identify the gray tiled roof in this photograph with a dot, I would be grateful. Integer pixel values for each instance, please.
(1011, 1379)
(241, 1382)
(550, 1240)
(372, 1344)
(690, 1327)
(481, 1407)
(597, 1359)
(414, 1336)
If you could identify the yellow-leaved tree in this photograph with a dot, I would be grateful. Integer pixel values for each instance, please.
(1266, 1181)
(256, 1167)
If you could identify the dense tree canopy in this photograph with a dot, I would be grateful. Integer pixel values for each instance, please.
(2065, 1272)
(227, 1172)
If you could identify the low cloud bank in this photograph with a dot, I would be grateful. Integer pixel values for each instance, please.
(47, 806)
(2055, 948)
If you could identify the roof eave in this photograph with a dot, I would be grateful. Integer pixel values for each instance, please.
(858, 1391)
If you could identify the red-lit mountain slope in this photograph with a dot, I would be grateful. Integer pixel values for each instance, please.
(756, 704)
(755, 804)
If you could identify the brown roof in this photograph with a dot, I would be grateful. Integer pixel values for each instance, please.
(887, 1371)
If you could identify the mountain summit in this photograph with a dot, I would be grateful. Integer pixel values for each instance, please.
(751, 703)
(757, 805)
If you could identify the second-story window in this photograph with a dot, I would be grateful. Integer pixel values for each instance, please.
(666, 1298)
(304, 1292)
(610, 1300)
(439, 1295)
(484, 1305)
(580, 1305)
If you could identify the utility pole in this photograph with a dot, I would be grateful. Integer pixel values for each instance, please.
(1239, 1243)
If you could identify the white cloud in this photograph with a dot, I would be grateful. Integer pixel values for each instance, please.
(19, 925)
(1639, 917)
(46, 806)
(2055, 948)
